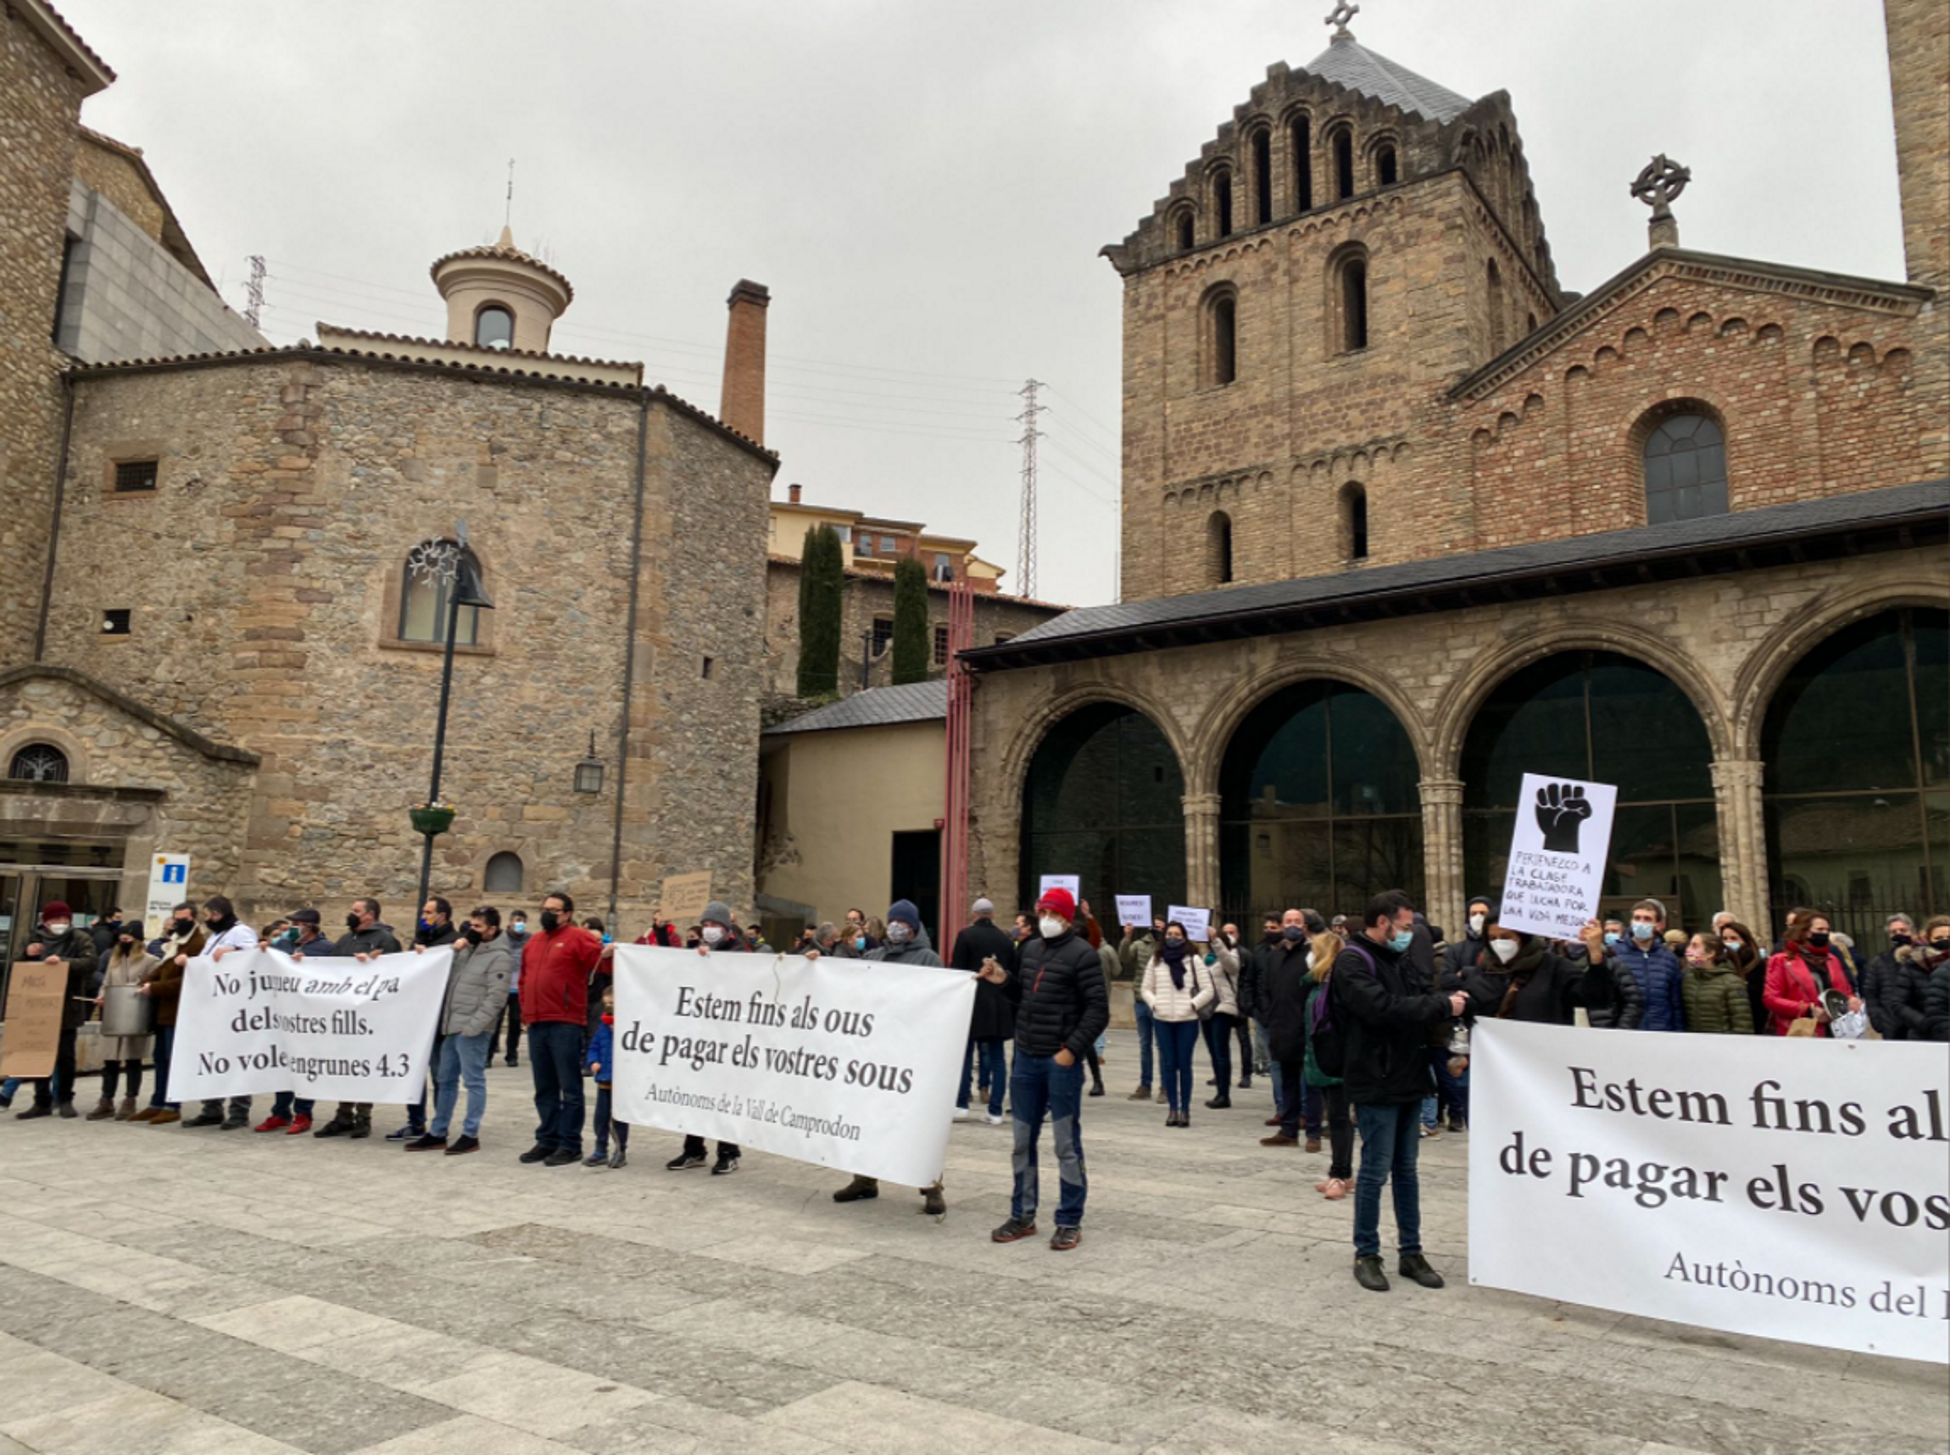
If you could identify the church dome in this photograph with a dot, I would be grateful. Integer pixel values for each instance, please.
(499, 297)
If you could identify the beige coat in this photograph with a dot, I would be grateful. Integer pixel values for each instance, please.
(127, 969)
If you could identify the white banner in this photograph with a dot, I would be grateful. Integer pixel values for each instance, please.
(847, 1063)
(1792, 1189)
(257, 1020)
(1557, 856)
(1134, 910)
(1197, 922)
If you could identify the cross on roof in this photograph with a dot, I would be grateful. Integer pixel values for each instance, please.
(1661, 180)
(1339, 17)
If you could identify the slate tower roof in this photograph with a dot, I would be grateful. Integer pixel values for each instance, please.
(1348, 63)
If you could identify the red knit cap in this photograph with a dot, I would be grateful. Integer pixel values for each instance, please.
(1059, 901)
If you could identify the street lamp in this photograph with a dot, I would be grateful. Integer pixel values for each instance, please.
(450, 565)
(589, 772)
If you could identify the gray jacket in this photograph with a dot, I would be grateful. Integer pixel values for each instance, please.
(917, 951)
(477, 988)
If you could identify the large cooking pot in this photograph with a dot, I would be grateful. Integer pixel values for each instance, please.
(126, 1012)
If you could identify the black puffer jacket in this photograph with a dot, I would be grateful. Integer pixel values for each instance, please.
(1283, 982)
(992, 1018)
(1253, 1003)
(1384, 1019)
(1550, 987)
(1936, 1004)
(1058, 987)
(1883, 986)
(1625, 1007)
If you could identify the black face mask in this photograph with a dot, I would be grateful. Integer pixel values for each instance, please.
(352, 922)
(1819, 939)
(550, 921)
(1940, 944)
(1898, 938)
(184, 926)
(1293, 934)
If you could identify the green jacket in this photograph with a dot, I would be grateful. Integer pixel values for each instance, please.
(1312, 1074)
(1716, 1001)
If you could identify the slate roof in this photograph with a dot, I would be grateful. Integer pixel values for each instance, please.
(1349, 63)
(1593, 562)
(876, 707)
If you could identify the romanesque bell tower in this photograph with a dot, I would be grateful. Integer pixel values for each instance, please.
(1355, 240)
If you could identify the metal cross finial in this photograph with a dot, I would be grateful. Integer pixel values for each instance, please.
(1662, 180)
(1339, 17)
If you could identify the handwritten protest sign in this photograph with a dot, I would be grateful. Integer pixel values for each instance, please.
(1557, 856)
(1197, 922)
(1134, 909)
(684, 898)
(37, 992)
(1071, 882)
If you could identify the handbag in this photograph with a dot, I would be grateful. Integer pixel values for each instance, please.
(1204, 1011)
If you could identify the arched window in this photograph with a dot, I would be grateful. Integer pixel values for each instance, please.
(1218, 549)
(1263, 176)
(423, 597)
(1303, 164)
(1856, 745)
(1354, 523)
(1384, 165)
(1347, 299)
(1343, 143)
(1222, 201)
(1221, 336)
(1319, 803)
(39, 763)
(1685, 469)
(1600, 717)
(1186, 229)
(503, 874)
(494, 327)
(1493, 283)
(1104, 800)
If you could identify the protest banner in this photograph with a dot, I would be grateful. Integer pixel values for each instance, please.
(847, 1063)
(37, 992)
(1197, 922)
(1790, 1189)
(1134, 909)
(169, 886)
(684, 899)
(1071, 882)
(257, 1020)
(1557, 856)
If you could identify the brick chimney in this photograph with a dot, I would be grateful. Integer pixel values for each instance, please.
(792, 493)
(743, 404)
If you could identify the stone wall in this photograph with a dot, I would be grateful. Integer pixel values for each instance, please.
(100, 167)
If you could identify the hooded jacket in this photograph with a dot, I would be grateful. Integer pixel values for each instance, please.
(917, 951)
(1716, 1001)
(1384, 1016)
(1061, 999)
(1894, 988)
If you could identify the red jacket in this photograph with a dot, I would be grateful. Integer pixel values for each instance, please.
(555, 971)
(1790, 990)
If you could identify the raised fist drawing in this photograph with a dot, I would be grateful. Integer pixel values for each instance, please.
(1561, 811)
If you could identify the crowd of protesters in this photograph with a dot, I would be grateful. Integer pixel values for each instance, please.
(1361, 1024)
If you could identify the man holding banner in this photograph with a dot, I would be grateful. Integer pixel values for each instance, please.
(555, 971)
(225, 934)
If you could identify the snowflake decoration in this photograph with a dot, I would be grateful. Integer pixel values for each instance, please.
(434, 562)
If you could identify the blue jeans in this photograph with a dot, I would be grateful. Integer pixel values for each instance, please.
(1428, 1112)
(1278, 1072)
(1451, 1092)
(1390, 1142)
(416, 1109)
(555, 1061)
(463, 1060)
(1146, 1035)
(285, 1103)
(1175, 1042)
(165, 1048)
(1262, 1049)
(995, 1071)
(1038, 1088)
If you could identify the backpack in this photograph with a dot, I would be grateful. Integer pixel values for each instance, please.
(1329, 1041)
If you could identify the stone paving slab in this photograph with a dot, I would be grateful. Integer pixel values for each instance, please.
(164, 1290)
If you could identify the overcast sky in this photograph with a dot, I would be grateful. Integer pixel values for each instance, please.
(924, 186)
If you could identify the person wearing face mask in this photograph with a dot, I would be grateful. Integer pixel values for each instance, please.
(1519, 977)
(556, 970)
(856, 930)
(1134, 950)
(436, 927)
(1931, 960)
(291, 1113)
(129, 964)
(182, 936)
(1643, 957)
(1286, 985)
(718, 934)
(1885, 985)
(991, 1020)
(60, 943)
(1253, 1060)
(224, 933)
(907, 944)
(366, 935)
(1384, 1015)
(1744, 955)
(1803, 973)
(1716, 996)
(1461, 957)
(1062, 1005)
(516, 934)
(1177, 987)
(477, 984)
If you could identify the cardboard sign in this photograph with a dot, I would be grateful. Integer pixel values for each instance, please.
(684, 898)
(36, 996)
(1557, 856)
(1197, 922)
(1134, 909)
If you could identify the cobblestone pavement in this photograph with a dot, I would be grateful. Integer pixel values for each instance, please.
(164, 1290)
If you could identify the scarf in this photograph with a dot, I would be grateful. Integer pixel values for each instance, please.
(1528, 959)
(1175, 962)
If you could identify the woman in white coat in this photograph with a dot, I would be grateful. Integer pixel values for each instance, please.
(1176, 987)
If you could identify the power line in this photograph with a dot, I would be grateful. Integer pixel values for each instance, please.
(1076, 408)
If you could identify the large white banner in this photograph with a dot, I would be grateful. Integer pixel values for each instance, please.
(848, 1063)
(1558, 852)
(257, 1020)
(1794, 1189)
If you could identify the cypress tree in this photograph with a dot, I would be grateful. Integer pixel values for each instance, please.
(911, 645)
(822, 575)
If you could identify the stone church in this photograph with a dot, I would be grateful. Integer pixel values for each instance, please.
(1405, 519)
(225, 607)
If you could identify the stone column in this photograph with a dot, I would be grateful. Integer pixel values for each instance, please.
(1743, 841)
(1442, 852)
(1201, 851)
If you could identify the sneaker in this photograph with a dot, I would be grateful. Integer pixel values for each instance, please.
(617, 1159)
(961, 1114)
(1313, 1144)
(272, 1123)
(1429, 1133)
(1415, 1266)
(994, 1119)
(562, 1157)
(1065, 1239)
(536, 1153)
(336, 1127)
(204, 1119)
(724, 1166)
(406, 1133)
(684, 1162)
(1367, 1273)
(361, 1129)
(1143, 1093)
(860, 1189)
(463, 1144)
(596, 1159)
(235, 1124)
(34, 1113)
(300, 1124)
(1013, 1230)
(1279, 1139)
(427, 1143)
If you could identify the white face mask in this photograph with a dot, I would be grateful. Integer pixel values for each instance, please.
(1476, 923)
(1504, 950)
(1051, 926)
(57, 928)
(713, 934)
